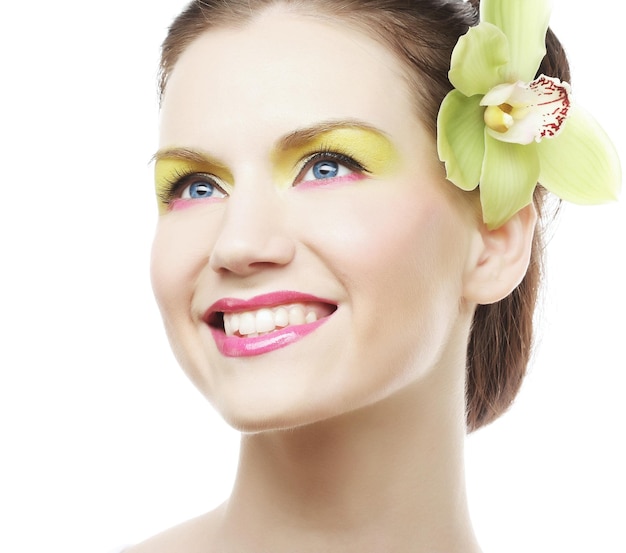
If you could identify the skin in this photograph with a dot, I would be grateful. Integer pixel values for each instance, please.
(353, 436)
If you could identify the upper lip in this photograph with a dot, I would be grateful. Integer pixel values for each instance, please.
(272, 299)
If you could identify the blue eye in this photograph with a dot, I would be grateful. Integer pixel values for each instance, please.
(329, 165)
(325, 169)
(202, 189)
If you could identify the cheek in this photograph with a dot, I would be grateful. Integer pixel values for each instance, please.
(161, 263)
(178, 255)
(391, 238)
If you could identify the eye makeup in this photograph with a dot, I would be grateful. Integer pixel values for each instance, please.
(343, 151)
(175, 169)
(364, 150)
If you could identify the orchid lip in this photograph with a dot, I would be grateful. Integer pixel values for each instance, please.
(525, 112)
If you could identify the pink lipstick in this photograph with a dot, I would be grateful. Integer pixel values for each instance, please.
(279, 318)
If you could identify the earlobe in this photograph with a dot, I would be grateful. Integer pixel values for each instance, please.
(499, 258)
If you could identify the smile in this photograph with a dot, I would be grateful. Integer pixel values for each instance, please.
(265, 323)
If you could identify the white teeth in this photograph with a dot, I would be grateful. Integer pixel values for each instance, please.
(281, 317)
(262, 321)
(247, 323)
(265, 320)
(235, 320)
(296, 315)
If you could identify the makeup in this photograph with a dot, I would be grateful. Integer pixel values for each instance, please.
(299, 315)
(369, 150)
(360, 150)
(246, 347)
(174, 168)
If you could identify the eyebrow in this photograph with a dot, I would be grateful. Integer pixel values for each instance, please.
(303, 136)
(185, 154)
(295, 139)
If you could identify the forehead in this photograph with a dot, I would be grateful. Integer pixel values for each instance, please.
(282, 71)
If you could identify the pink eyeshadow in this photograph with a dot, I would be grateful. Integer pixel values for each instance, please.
(180, 204)
(337, 181)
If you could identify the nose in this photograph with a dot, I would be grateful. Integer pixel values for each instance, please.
(253, 235)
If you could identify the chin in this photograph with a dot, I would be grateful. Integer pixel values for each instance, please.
(270, 414)
(256, 423)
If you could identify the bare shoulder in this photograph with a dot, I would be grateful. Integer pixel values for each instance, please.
(195, 535)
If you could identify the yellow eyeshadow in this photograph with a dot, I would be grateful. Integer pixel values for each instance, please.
(369, 148)
(169, 170)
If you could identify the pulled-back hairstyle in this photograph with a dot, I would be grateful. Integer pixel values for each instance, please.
(422, 34)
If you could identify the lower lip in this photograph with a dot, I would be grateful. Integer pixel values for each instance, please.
(232, 346)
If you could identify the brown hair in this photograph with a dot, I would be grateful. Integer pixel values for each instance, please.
(423, 34)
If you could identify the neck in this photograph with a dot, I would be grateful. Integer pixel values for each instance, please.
(389, 477)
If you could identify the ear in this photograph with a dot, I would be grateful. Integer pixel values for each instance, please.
(499, 258)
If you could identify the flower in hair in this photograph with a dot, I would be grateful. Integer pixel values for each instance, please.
(505, 130)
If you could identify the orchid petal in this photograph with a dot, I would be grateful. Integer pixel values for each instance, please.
(581, 164)
(478, 58)
(499, 94)
(505, 129)
(525, 24)
(460, 139)
(509, 177)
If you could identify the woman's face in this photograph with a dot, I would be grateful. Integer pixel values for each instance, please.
(309, 257)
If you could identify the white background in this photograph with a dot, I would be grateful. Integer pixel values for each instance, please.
(104, 441)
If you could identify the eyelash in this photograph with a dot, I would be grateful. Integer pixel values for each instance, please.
(326, 153)
(178, 181)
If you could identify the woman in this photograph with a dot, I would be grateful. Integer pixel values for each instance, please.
(321, 279)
